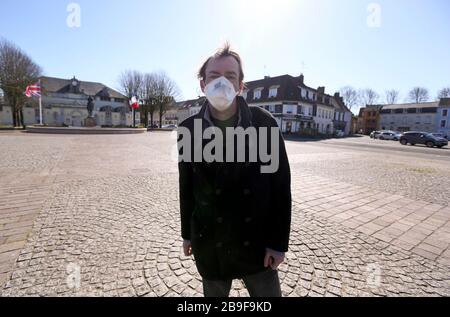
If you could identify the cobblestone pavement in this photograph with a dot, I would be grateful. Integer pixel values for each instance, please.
(103, 219)
(387, 166)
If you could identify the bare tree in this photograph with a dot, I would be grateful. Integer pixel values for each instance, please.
(156, 90)
(444, 93)
(166, 93)
(368, 96)
(130, 83)
(17, 71)
(418, 95)
(350, 96)
(392, 96)
(149, 93)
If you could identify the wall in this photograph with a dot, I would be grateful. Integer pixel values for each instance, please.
(427, 121)
(5, 115)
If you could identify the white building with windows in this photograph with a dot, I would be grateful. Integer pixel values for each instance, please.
(410, 117)
(64, 103)
(189, 108)
(297, 107)
(443, 117)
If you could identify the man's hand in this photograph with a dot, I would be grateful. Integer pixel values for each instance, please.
(187, 247)
(273, 258)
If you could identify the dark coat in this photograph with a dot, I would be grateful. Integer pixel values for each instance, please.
(232, 212)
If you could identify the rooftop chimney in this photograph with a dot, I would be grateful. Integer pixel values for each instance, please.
(301, 78)
(321, 90)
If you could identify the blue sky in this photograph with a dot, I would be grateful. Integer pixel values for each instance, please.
(329, 41)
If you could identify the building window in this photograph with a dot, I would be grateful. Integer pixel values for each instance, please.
(257, 94)
(120, 100)
(443, 123)
(444, 112)
(418, 120)
(244, 94)
(278, 108)
(290, 109)
(273, 92)
(307, 94)
(105, 98)
(428, 120)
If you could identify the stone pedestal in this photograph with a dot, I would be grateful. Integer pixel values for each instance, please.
(90, 122)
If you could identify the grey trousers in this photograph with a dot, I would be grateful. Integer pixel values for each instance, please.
(264, 284)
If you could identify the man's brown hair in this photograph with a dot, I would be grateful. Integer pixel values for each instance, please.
(225, 51)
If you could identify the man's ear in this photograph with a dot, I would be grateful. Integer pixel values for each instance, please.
(241, 87)
(202, 85)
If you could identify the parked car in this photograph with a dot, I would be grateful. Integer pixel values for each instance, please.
(397, 136)
(440, 135)
(387, 136)
(416, 137)
(170, 126)
(375, 134)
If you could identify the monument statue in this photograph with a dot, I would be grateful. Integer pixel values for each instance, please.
(90, 121)
(90, 106)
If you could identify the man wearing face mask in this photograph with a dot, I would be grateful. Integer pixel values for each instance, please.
(235, 220)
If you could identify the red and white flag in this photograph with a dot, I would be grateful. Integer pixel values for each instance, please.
(33, 90)
(134, 103)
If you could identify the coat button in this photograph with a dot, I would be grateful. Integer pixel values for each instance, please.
(246, 243)
(248, 219)
(219, 244)
(219, 220)
(246, 192)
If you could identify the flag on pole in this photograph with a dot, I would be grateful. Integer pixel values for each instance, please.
(134, 103)
(33, 90)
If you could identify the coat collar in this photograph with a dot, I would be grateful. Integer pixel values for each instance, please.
(244, 113)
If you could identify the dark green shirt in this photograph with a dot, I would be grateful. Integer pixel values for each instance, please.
(223, 124)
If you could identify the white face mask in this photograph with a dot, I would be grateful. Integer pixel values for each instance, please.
(220, 93)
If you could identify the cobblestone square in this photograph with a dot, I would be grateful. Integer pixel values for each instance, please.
(98, 215)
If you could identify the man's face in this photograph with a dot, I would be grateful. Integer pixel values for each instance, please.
(218, 67)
